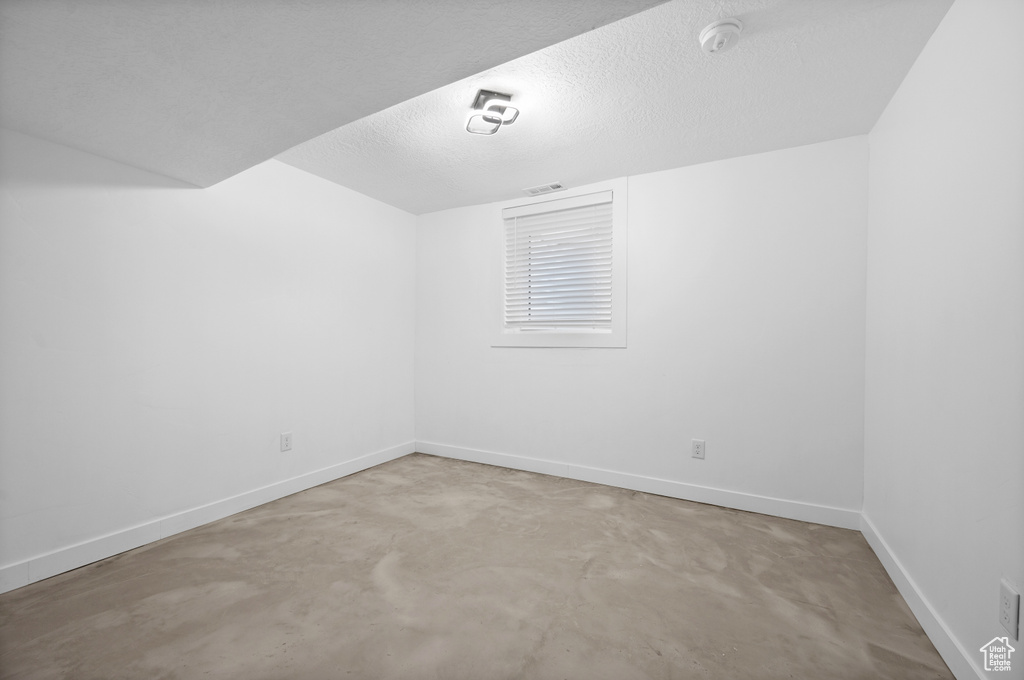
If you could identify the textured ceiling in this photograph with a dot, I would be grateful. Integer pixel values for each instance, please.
(201, 90)
(636, 96)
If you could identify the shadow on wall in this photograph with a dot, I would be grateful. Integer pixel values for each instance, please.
(75, 168)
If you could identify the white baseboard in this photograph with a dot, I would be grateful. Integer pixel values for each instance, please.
(963, 664)
(807, 512)
(65, 559)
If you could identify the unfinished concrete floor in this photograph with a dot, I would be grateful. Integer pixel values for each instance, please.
(433, 568)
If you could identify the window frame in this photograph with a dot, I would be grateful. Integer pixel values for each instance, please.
(615, 338)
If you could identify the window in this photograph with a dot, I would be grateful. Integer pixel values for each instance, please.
(564, 272)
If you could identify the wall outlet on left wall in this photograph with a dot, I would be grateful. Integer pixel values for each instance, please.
(1009, 608)
(286, 441)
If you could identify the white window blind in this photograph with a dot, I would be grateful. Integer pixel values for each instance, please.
(558, 265)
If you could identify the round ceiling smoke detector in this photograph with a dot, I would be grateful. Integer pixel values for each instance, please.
(720, 36)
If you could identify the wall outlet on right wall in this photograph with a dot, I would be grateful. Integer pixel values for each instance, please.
(698, 448)
(1009, 608)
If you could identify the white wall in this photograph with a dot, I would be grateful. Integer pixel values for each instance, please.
(944, 468)
(156, 339)
(746, 328)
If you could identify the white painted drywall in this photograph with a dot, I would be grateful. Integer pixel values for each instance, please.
(746, 329)
(944, 442)
(156, 339)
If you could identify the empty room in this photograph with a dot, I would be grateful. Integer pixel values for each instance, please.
(511, 339)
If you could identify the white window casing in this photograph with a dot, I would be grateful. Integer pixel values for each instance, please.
(563, 281)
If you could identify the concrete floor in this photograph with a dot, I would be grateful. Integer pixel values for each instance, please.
(433, 568)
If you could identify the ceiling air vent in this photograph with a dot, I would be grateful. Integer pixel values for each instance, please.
(545, 189)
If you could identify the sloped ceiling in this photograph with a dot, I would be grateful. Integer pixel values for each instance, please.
(636, 96)
(200, 91)
(373, 94)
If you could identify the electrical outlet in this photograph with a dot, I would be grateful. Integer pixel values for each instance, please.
(698, 448)
(286, 441)
(1009, 608)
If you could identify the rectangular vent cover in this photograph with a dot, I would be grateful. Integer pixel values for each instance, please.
(545, 189)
